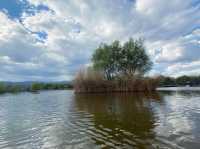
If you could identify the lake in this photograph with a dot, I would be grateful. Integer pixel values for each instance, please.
(61, 119)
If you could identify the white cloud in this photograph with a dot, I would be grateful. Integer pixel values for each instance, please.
(75, 28)
(158, 8)
(24, 57)
(169, 52)
(183, 68)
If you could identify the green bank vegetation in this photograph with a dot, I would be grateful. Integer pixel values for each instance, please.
(32, 87)
(117, 67)
(165, 81)
(50, 86)
(9, 88)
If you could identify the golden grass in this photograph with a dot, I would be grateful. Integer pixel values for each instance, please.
(88, 81)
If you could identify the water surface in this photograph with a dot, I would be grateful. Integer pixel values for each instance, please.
(61, 119)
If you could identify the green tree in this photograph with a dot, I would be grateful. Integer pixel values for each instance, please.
(36, 87)
(128, 60)
(183, 80)
(134, 59)
(167, 81)
(106, 59)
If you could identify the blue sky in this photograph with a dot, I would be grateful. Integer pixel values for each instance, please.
(50, 40)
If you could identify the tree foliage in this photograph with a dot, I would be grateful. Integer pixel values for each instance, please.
(128, 60)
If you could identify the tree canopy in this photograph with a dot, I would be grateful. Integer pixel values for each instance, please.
(128, 60)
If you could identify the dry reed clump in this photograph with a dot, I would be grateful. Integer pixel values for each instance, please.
(88, 81)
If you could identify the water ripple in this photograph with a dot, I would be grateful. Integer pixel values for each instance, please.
(59, 119)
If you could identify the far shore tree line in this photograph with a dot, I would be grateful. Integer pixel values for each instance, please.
(167, 81)
(33, 87)
(164, 81)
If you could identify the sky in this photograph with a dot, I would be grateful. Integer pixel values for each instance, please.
(50, 40)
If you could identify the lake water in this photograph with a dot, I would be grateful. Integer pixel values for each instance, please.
(61, 119)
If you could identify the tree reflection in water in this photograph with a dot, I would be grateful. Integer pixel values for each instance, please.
(123, 120)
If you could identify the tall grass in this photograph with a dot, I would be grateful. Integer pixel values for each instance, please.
(89, 81)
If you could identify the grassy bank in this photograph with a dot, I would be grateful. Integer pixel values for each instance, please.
(94, 82)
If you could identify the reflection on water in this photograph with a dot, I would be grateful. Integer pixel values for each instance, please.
(122, 120)
(61, 119)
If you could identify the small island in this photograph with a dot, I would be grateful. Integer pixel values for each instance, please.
(117, 67)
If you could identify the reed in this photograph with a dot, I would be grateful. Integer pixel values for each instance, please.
(88, 81)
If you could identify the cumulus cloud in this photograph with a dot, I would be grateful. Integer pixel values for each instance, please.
(52, 44)
(23, 56)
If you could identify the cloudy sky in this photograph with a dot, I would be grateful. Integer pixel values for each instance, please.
(51, 39)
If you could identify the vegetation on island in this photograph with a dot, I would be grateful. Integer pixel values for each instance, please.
(118, 60)
(117, 67)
